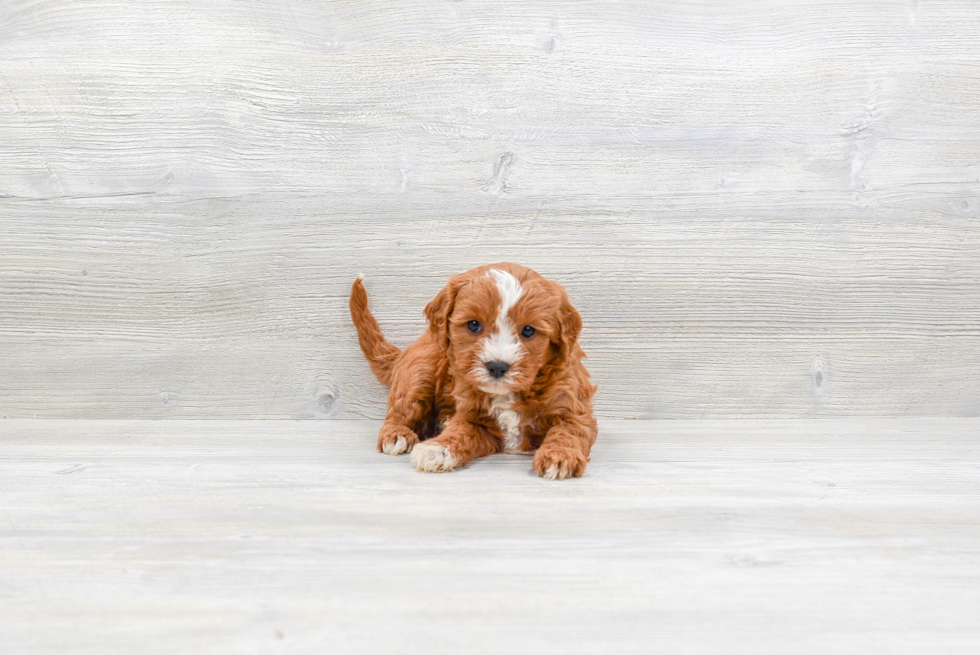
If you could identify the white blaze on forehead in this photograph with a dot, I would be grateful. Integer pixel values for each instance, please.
(502, 345)
(510, 290)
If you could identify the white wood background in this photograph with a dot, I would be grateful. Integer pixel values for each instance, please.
(761, 207)
(730, 537)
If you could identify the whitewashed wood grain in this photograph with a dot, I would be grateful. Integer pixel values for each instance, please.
(761, 208)
(806, 536)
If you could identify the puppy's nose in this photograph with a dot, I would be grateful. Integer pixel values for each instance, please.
(497, 369)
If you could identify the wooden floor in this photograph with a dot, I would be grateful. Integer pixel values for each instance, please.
(683, 537)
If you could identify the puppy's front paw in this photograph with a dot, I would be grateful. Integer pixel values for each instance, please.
(433, 458)
(557, 463)
(396, 439)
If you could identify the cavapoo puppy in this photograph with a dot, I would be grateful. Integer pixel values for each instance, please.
(498, 370)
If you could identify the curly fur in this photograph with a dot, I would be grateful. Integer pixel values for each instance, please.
(441, 391)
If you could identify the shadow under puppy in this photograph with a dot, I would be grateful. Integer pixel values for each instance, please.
(498, 370)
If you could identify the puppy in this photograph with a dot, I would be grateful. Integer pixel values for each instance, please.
(498, 370)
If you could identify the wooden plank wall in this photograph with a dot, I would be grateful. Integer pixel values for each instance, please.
(761, 207)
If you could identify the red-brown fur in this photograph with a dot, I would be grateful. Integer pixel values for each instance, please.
(435, 382)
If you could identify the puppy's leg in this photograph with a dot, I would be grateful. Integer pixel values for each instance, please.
(396, 438)
(564, 452)
(411, 401)
(458, 444)
(407, 412)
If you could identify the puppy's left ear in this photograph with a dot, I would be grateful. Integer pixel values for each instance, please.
(440, 309)
(569, 324)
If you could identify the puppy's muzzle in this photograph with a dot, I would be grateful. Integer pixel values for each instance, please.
(497, 370)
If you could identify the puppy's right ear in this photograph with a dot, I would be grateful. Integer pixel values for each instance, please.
(441, 308)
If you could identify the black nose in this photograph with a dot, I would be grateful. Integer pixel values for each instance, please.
(497, 369)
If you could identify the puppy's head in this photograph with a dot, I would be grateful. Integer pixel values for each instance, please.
(502, 324)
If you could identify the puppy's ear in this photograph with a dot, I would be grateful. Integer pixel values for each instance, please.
(440, 309)
(569, 324)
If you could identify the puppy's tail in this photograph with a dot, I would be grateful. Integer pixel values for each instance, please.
(380, 354)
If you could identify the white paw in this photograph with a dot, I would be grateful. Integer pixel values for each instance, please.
(556, 473)
(432, 458)
(397, 448)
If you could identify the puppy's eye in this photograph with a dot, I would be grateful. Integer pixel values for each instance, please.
(474, 326)
(527, 332)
